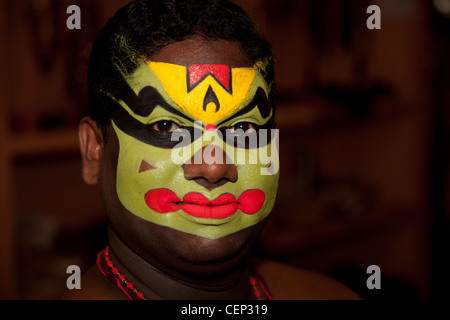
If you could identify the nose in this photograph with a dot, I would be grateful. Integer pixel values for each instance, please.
(211, 174)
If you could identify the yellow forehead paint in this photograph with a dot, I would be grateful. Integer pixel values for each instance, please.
(208, 92)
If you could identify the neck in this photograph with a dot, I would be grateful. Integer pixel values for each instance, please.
(156, 284)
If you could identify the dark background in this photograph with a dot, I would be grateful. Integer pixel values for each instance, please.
(363, 117)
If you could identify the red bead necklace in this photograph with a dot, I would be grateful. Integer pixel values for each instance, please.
(107, 268)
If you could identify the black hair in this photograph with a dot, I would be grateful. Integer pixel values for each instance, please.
(143, 27)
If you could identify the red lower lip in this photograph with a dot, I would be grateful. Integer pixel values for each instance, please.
(197, 205)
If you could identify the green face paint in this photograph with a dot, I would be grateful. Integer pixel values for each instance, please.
(153, 187)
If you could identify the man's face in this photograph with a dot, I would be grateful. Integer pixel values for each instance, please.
(200, 183)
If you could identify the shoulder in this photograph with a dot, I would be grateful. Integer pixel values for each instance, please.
(94, 286)
(290, 283)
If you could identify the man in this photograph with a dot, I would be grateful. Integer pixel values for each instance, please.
(181, 140)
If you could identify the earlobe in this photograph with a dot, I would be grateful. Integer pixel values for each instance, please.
(91, 145)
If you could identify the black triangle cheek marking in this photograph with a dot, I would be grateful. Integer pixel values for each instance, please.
(210, 96)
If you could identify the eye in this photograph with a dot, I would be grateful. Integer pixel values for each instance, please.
(247, 127)
(165, 126)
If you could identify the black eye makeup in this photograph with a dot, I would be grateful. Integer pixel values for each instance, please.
(246, 127)
(260, 101)
(165, 126)
(158, 134)
(248, 133)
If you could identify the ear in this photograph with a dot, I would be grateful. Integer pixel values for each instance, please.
(91, 147)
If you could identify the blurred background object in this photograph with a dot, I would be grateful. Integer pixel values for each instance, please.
(363, 118)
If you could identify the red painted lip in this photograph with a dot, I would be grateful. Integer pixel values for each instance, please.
(197, 205)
